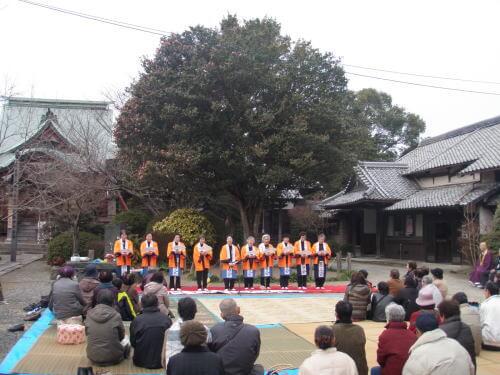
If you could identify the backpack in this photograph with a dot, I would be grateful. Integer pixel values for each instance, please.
(125, 307)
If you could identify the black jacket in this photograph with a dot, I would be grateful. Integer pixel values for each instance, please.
(146, 336)
(407, 297)
(237, 344)
(458, 330)
(195, 360)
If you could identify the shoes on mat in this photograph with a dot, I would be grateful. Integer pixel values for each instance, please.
(16, 328)
(33, 315)
(126, 352)
(31, 307)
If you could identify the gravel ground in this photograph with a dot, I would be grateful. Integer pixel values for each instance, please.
(20, 288)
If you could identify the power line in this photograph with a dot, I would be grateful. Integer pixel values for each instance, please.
(423, 84)
(423, 75)
(109, 21)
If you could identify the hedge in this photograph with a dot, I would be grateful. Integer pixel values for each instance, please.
(61, 246)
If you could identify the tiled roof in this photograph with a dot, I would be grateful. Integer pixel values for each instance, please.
(444, 196)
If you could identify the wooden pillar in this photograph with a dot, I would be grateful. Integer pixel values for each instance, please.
(379, 233)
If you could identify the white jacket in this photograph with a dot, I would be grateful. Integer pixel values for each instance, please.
(489, 312)
(328, 362)
(434, 353)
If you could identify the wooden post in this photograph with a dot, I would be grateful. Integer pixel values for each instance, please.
(339, 262)
(379, 232)
(349, 264)
(15, 198)
(91, 254)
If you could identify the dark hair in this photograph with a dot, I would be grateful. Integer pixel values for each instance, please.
(492, 288)
(383, 288)
(285, 236)
(106, 297)
(364, 273)
(302, 234)
(410, 282)
(427, 321)
(394, 274)
(129, 279)
(323, 337)
(421, 272)
(358, 278)
(157, 277)
(186, 307)
(105, 276)
(412, 265)
(460, 298)
(437, 273)
(343, 310)
(449, 309)
(117, 283)
(149, 300)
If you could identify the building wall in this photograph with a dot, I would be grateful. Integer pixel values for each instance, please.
(442, 180)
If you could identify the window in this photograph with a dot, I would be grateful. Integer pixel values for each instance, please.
(402, 225)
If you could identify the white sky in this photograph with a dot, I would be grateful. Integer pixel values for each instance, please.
(52, 55)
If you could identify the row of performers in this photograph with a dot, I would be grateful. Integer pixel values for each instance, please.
(252, 258)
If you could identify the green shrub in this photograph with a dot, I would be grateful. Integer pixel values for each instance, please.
(61, 246)
(493, 238)
(135, 221)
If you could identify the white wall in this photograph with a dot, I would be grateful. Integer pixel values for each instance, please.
(428, 182)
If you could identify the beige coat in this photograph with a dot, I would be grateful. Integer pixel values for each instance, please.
(436, 354)
(470, 316)
(328, 362)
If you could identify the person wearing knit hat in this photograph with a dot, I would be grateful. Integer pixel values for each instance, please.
(66, 299)
(195, 358)
(435, 353)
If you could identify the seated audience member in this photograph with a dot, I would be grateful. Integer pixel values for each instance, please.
(186, 309)
(395, 284)
(408, 296)
(87, 285)
(123, 303)
(107, 344)
(327, 359)
(106, 282)
(365, 275)
(489, 312)
(147, 332)
(434, 353)
(427, 305)
(380, 300)
(454, 328)
(470, 315)
(358, 294)
(66, 301)
(195, 358)
(428, 282)
(237, 343)
(130, 287)
(419, 274)
(350, 338)
(411, 268)
(437, 275)
(156, 286)
(394, 343)
(482, 267)
(495, 270)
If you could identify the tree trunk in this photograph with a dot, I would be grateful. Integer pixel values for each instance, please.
(244, 220)
(250, 216)
(76, 234)
(256, 219)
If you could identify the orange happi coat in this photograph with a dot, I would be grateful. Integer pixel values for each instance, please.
(283, 259)
(225, 255)
(123, 258)
(315, 250)
(202, 262)
(171, 255)
(149, 260)
(246, 260)
(298, 249)
(265, 260)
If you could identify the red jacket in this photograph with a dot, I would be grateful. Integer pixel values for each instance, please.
(393, 347)
(416, 314)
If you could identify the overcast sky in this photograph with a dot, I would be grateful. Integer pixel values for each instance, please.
(53, 55)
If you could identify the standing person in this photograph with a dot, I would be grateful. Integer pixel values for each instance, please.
(107, 344)
(66, 300)
(147, 332)
(123, 251)
(176, 254)
(156, 286)
(249, 257)
(195, 358)
(358, 294)
(149, 253)
(266, 259)
(394, 343)
(202, 255)
(454, 328)
(482, 266)
(321, 254)
(284, 251)
(408, 296)
(437, 275)
(302, 251)
(236, 343)
(411, 269)
(380, 301)
(229, 258)
(489, 311)
(470, 315)
(395, 283)
(87, 285)
(434, 353)
(327, 359)
(350, 338)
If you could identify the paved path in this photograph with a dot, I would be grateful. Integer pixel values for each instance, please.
(23, 259)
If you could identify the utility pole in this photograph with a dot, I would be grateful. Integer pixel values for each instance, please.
(15, 198)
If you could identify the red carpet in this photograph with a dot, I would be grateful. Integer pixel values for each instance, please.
(274, 289)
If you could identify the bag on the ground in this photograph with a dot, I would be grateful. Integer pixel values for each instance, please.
(125, 307)
(70, 334)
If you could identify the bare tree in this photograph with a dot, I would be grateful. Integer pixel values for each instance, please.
(469, 243)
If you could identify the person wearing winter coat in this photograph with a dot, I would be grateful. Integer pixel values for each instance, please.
(454, 328)
(327, 359)
(435, 354)
(358, 294)
(489, 312)
(105, 282)
(66, 300)
(350, 338)
(107, 344)
(380, 301)
(470, 315)
(87, 285)
(408, 296)
(156, 287)
(394, 343)
(427, 305)
(147, 332)
(395, 283)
